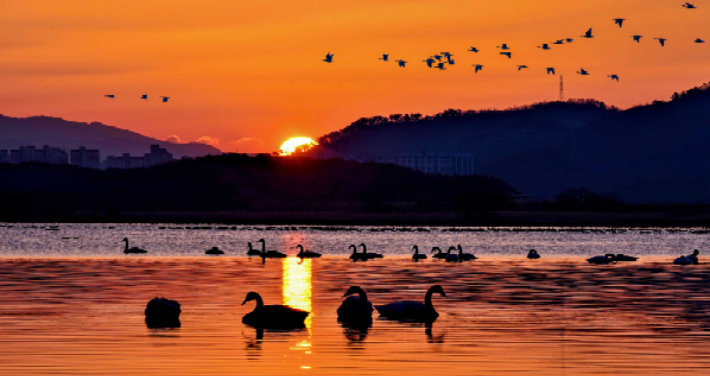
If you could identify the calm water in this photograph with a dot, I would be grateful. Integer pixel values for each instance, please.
(72, 304)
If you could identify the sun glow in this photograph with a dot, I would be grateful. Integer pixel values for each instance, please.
(297, 143)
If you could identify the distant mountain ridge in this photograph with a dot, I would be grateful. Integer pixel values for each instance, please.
(658, 152)
(110, 140)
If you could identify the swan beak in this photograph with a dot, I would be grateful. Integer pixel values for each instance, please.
(245, 301)
(443, 294)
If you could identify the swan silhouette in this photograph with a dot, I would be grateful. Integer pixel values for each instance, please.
(328, 58)
(521, 67)
(417, 256)
(694, 257)
(698, 40)
(273, 316)
(533, 255)
(559, 41)
(429, 62)
(544, 46)
(110, 96)
(465, 256)
(356, 256)
(619, 21)
(582, 72)
(637, 38)
(569, 40)
(508, 54)
(369, 255)
(683, 260)
(614, 77)
(622, 257)
(450, 257)
(251, 251)
(503, 47)
(355, 308)
(588, 34)
(439, 253)
(478, 67)
(441, 66)
(144, 96)
(306, 254)
(412, 311)
(603, 260)
(162, 313)
(551, 71)
(214, 251)
(269, 254)
(165, 99)
(662, 41)
(132, 249)
(689, 6)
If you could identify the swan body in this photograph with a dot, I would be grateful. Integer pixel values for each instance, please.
(355, 307)
(269, 254)
(683, 260)
(465, 256)
(306, 254)
(357, 256)
(273, 316)
(253, 252)
(533, 255)
(418, 256)
(602, 260)
(369, 255)
(451, 257)
(132, 250)
(623, 257)
(214, 251)
(162, 313)
(439, 255)
(408, 310)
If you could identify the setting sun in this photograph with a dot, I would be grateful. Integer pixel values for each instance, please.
(293, 144)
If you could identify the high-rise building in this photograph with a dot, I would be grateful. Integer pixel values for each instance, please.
(460, 164)
(4, 156)
(44, 155)
(157, 156)
(87, 158)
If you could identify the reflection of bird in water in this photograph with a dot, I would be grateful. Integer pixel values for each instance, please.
(306, 254)
(637, 38)
(417, 256)
(273, 316)
(619, 21)
(588, 34)
(355, 333)
(662, 41)
(533, 255)
(132, 249)
(431, 338)
(355, 309)
(408, 310)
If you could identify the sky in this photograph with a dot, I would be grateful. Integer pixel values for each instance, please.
(247, 75)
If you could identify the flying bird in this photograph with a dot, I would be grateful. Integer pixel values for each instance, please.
(504, 46)
(429, 62)
(473, 49)
(144, 96)
(559, 41)
(637, 38)
(447, 54)
(619, 21)
(110, 96)
(544, 46)
(441, 66)
(588, 34)
(401, 63)
(478, 67)
(385, 57)
(698, 40)
(569, 40)
(662, 41)
(508, 54)
(328, 58)
(689, 6)
(437, 57)
(521, 67)
(165, 99)
(551, 71)
(451, 61)
(583, 72)
(614, 77)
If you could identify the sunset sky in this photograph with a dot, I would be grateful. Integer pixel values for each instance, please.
(247, 75)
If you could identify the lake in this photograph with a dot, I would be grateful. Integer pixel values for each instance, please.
(72, 303)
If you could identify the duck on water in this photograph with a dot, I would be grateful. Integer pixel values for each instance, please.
(412, 311)
(273, 316)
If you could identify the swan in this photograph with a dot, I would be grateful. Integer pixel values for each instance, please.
(144, 96)
(689, 6)
(698, 40)
(614, 77)
(272, 316)
(357, 256)
(637, 38)
(619, 21)
(252, 251)
(694, 257)
(478, 67)
(521, 67)
(508, 54)
(355, 308)
(582, 72)
(133, 249)
(385, 57)
(441, 66)
(606, 259)
(165, 99)
(504, 46)
(465, 256)
(473, 49)
(451, 257)
(559, 41)
(683, 260)
(544, 46)
(588, 34)
(662, 41)
(439, 254)
(417, 256)
(533, 255)
(429, 62)
(306, 254)
(408, 310)
(369, 255)
(623, 257)
(162, 313)
(269, 254)
(214, 251)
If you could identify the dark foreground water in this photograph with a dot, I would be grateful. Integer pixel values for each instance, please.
(79, 311)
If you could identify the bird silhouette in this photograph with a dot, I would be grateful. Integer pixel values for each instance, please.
(473, 49)
(619, 21)
(662, 41)
(144, 96)
(698, 40)
(302, 253)
(401, 63)
(385, 57)
(429, 62)
(130, 250)
(508, 54)
(451, 61)
(478, 67)
(418, 256)
(637, 38)
(689, 6)
(614, 77)
(503, 46)
(544, 46)
(588, 34)
(551, 71)
(559, 41)
(521, 67)
(441, 66)
(582, 72)
(437, 57)
(569, 40)
(165, 99)
(447, 54)
(328, 58)
(110, 96)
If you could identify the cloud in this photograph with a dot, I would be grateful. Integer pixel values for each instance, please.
(174, 139)
(247, 145)
(208, 141)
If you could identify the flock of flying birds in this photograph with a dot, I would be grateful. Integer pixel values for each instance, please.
(144, 97)
(439, 61)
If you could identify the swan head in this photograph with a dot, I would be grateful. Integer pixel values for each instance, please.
(696, 252)
(437, 289)
(251, 296)
(124, 240)
(452, 249)
(353, 246)
(415, 248)
(353, 290)
(299, 247)
(459, 247)
(261, 241)
(434, 249)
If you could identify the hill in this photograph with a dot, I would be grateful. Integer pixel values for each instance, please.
(655, 153)
(44, 130)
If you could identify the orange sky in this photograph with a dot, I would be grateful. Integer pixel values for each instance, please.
(249, 73)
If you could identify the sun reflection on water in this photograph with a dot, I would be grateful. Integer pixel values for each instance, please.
(297, 286)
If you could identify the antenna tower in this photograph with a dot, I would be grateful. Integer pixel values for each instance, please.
(562, 91)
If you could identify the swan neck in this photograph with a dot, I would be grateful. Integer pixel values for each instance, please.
(259, 302)
(427, 299)
(364, 248)
(363, 297)
(126, 240)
